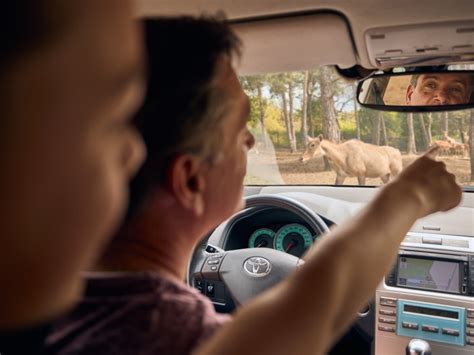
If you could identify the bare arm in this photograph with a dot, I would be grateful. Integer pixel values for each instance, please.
(306, 313)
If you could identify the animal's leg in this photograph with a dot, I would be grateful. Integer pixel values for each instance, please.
(340, 179)
(385, 178)
(361, 180)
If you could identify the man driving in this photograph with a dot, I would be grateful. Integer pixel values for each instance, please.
(194, 123)
(433, 89)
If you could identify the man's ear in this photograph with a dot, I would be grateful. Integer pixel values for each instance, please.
(408, 94)
(186, 182)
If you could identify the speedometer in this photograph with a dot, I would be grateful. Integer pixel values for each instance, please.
(262, 238)
(293, 239)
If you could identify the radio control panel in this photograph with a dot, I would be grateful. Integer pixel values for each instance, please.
(429, 295)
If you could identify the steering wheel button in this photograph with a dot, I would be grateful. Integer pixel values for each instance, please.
(217, 256)
(210, 289)
(213, 262)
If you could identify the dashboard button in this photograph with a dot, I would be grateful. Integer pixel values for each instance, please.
(430, 328)
(387, 312)
(449, 331)
(470, 313)
(387, 320)
(409, 325)
(384, 328)
(388, 301)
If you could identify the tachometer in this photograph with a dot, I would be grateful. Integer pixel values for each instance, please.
(262, 238)
(293, 239)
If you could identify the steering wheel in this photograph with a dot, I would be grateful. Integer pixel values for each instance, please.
(230, 278)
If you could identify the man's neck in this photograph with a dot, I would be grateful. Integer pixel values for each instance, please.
(160, 242)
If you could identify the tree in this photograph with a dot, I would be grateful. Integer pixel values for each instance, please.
(254, 85)
(356, 115)
(411, 145)
(330, 126)
(280, 88)
(384, 129)
(376, 128)
(446, 122)
(304, 108)
(291, 121)
(429, 131)
(424, 132)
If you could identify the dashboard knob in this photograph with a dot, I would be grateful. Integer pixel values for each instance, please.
(418, 347)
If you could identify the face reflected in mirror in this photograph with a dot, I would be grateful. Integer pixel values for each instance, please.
(418, 90)
(439, 89)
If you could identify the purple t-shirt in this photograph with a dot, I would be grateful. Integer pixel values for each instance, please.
(136, 313)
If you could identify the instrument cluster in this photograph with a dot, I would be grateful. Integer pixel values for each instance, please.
(292, 238)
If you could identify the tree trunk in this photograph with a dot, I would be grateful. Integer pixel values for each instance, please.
(446, 122)
(356, 111)
(461, 129)
(424, 132)
(285, 115)
(330, 126)
(291, 118)
(261, 113)
(411, 146)
(304, 109)
(430, 123)
(376, 123)
(384, 131)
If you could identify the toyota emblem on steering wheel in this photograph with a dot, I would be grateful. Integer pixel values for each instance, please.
(257, 266)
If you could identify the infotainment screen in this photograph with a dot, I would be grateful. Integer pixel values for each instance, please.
(428, 274)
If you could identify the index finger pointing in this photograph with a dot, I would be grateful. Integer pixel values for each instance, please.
(432, 152)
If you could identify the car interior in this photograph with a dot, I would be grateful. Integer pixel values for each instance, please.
(429, 293)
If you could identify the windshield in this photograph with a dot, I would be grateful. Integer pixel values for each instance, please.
(309, 130)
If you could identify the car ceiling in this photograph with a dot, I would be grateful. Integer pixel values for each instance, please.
(408, 25)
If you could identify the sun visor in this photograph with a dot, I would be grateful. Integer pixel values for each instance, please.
(427, 44)
(296, 43)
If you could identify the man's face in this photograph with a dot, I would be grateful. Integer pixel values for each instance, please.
(69, 149)
(439, 89)
(225, 178)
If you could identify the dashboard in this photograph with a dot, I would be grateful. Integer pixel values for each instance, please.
(428, 294)
(274, 228)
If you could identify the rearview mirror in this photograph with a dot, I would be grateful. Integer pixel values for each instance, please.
(418, 91)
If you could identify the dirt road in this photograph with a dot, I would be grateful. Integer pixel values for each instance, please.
(293, 172)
